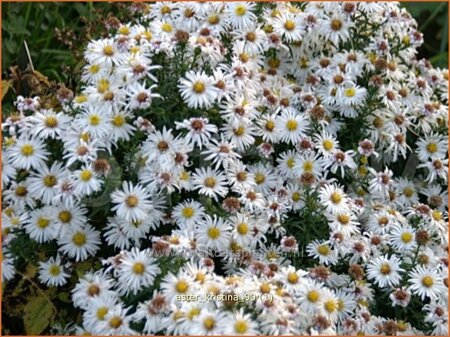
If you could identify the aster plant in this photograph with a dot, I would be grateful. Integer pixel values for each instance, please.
(236, 168)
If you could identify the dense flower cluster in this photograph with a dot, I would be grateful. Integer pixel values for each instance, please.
(242, 168)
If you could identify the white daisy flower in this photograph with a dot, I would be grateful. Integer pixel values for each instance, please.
(199, 130)
(322, 251)
(333, 198)
(385, 271)
(132, 202)
(137, 270)
(49, 124)
(42, 182)
(86, 181)
(214, 233)
(181, 284)
(240, 14)
(41, 225)
(188, 213)
(432, 147)
(240, 323)
(210, 183)
(289, 26)
(291, 126)
(52, 273)
(80, 243)
(427, 282)
(92, 285)
(198, 90)
(221, 153)
(28, 153)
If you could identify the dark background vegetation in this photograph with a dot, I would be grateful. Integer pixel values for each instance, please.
(56, 34)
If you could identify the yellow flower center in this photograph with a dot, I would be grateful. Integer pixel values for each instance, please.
(290, 163)
(210, 182)
(27, 150)
(336, 24)
(101, 313)
(84, 137)
(239, 131)
(242, 228)
(270, 125)
(103, 86)
(272, 255)
(79, 239)
(264, 288)
(167, 27)
(427, 281)
(187, 212)
(51, 122)
(94, 69)
(199, 87)
(289, 25)
(138, 268)
(132, 201)
(200, 277)
(115, 322)
(124, 30)
(118, 120)
(328, 144)
(323, 250)
(241, 326)
(385, 269)
(50, 181)
(178, 315)
(308, 166)
(344, 219)
(182, 286)
(108, 50)
(148, 35)
(85, 175)
(193, 313)
(213, 232)
(244, 57)
(240, 10)
(408, 192)
(184, 175)
(406, 237)
(213, 19)
(313, 296)
(165, 10)
(80, 99)
(350, 92)
(260, 178)
(94, 120)
(437, 215)
(43, 222)
(432, 148)
(291, 125)
(21, 191)
(295, 196)
(336, 197)
(330, 306)
(54, 270)
(292, 278)
(65, 216)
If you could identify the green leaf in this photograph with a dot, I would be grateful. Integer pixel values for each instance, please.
(440, 60)
(37, 315)
(31, 271)
(83, 267)
(5, 87)
(64, 297)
